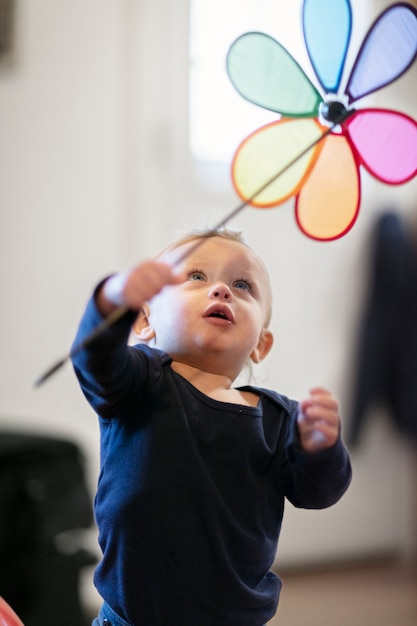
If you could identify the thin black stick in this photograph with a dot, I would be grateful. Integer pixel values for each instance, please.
(122, 310)
(98, 330)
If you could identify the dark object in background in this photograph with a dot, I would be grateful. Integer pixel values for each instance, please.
(7, 19)
(385, 368)
(43, 499)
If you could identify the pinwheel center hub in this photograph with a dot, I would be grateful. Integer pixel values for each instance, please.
(334, 111)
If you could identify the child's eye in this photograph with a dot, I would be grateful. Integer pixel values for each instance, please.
(196, 275)
(243, 284)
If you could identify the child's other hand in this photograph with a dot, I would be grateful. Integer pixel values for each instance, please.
(136, 286)
(318, 420)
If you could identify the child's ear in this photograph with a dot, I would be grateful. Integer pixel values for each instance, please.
(141, 328)
(264, 345)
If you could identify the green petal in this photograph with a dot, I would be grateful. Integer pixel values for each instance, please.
(264, 73)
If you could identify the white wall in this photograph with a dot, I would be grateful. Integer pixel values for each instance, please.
(94, 174)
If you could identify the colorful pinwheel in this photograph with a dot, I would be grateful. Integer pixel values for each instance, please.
(333, 138)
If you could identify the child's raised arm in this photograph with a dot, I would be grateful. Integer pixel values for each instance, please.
(132, 288)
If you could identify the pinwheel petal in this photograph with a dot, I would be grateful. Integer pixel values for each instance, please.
(386, 142)
(327, 26)
(271, 163)
(388, 50)
(328, 202)
(265, 73)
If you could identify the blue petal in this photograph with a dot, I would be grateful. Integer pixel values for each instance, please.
(327, 25)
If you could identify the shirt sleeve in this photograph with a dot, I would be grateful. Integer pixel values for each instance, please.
(316, 480)
(105, 367)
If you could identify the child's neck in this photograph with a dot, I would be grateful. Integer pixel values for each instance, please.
(215, 386)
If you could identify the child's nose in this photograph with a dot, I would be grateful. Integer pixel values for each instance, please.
(220, 291)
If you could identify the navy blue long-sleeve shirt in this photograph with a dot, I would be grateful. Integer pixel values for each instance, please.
(191, 490)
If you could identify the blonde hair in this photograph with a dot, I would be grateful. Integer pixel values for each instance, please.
(199, 235)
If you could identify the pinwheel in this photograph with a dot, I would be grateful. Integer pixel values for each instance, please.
(320, 134)
(316, 147)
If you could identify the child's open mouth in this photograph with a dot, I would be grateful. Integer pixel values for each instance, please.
(220, 312)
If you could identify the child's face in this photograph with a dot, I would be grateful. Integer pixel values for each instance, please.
(220, 310)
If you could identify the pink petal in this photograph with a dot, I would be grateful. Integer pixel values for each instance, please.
(386, 142)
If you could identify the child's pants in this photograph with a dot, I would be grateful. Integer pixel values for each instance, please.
(107, 617)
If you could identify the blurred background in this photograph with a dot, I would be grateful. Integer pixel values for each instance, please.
(117, 126)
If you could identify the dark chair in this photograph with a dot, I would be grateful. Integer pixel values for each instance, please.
(44, 502)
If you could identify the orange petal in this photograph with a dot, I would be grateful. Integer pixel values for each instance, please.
(328, 203)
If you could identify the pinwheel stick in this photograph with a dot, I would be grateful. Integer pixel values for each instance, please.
(122, 310)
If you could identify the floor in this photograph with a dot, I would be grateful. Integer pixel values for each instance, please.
(381, 594)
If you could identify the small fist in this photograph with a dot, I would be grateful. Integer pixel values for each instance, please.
(136, 286)
(318, 420)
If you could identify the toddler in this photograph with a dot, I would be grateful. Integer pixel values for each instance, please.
(194, 472)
